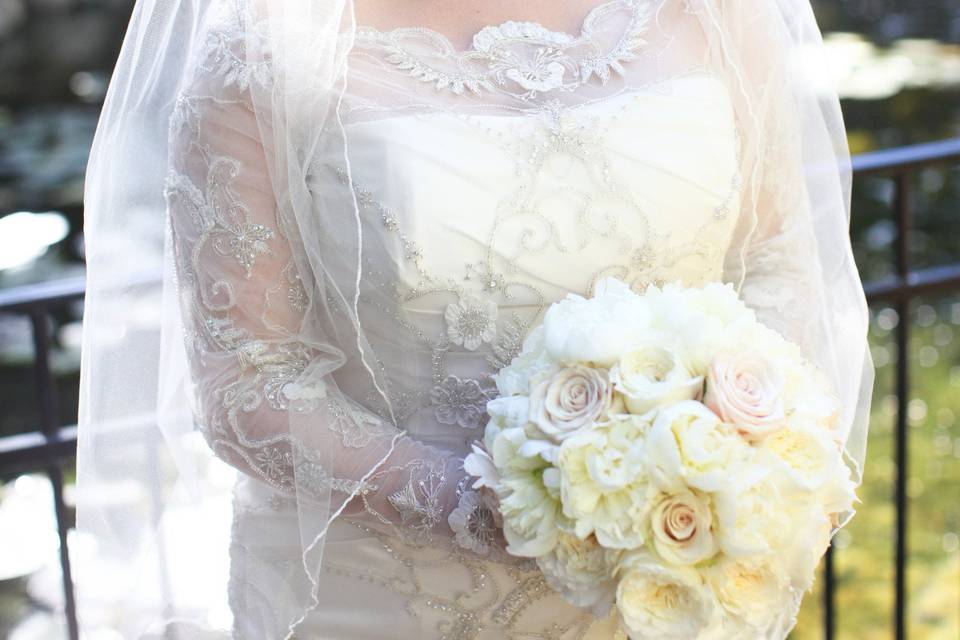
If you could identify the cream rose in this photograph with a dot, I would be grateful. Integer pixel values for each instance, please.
(754, 591)
(583, 572)
(682, 526)
(746, 390)
(661, 603)
(566, 401)
(651, 377)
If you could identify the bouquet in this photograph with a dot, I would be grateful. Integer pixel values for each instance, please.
(668, 455)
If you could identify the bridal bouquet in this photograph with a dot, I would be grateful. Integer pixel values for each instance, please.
(669, 455)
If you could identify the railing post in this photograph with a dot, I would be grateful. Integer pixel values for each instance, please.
(829, 624)
(47, 399)
(902, 306)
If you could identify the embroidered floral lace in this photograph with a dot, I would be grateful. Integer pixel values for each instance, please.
(542, 192)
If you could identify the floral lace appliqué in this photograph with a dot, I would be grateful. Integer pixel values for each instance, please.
(459, 402)
(471, 322)
(519, 58)
(473, 524)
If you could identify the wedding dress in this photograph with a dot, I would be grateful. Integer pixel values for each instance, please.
(337, 343)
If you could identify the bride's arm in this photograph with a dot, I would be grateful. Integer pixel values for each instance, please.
(252, 325)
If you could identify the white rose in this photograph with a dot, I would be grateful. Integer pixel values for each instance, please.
(747, 391)
(570, 399)
(662, 603)
(529, 508)
(651, 377)
(682, 526)
(688, 445)
(753, 591)
(604, 487)
(597, 330)
(582, 572)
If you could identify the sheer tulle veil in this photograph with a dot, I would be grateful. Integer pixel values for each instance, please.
(154, 499)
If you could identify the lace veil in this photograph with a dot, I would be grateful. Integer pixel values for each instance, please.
(228, 253)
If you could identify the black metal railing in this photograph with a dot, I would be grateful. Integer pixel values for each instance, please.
(47, 448)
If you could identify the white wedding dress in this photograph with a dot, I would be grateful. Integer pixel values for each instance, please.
(345, 291)
(491, 218)
(316, 229)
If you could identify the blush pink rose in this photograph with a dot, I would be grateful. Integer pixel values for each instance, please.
(746, 391)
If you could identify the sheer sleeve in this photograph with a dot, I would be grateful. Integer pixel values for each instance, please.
(791, 257)
(253, 329)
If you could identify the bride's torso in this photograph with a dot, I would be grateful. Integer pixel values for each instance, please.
(528, 167)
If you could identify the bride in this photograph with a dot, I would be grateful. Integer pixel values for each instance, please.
(315, 230)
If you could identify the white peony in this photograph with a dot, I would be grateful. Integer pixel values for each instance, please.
(509, 411)
(688, 445)
(568, 400)
(529, 508)
(604, 488)
(751, 521)
(804, 543)
(747, 391)
(533, 359)
(699, 322)
(810, 460)
(682, 527)
(582, 571)
(597, 330)
(662, 603)
(651, 376)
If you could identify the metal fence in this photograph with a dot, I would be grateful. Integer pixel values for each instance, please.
(47, 448)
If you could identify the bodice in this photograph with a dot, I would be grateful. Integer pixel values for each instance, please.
(478, 222)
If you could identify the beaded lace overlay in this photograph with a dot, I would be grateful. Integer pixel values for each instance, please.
(554, 196)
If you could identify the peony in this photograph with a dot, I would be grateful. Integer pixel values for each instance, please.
(509, 411)
(746, 390)
(604, 488)
(804, 543)
(598, 330)
(533, 359)
(583, 572)
(689, 446)
(751, 521)
(754, 591)
(570, 399)
(682, 526)
(811, 461)
(529, 508)
(651, 377)
(662, 603)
